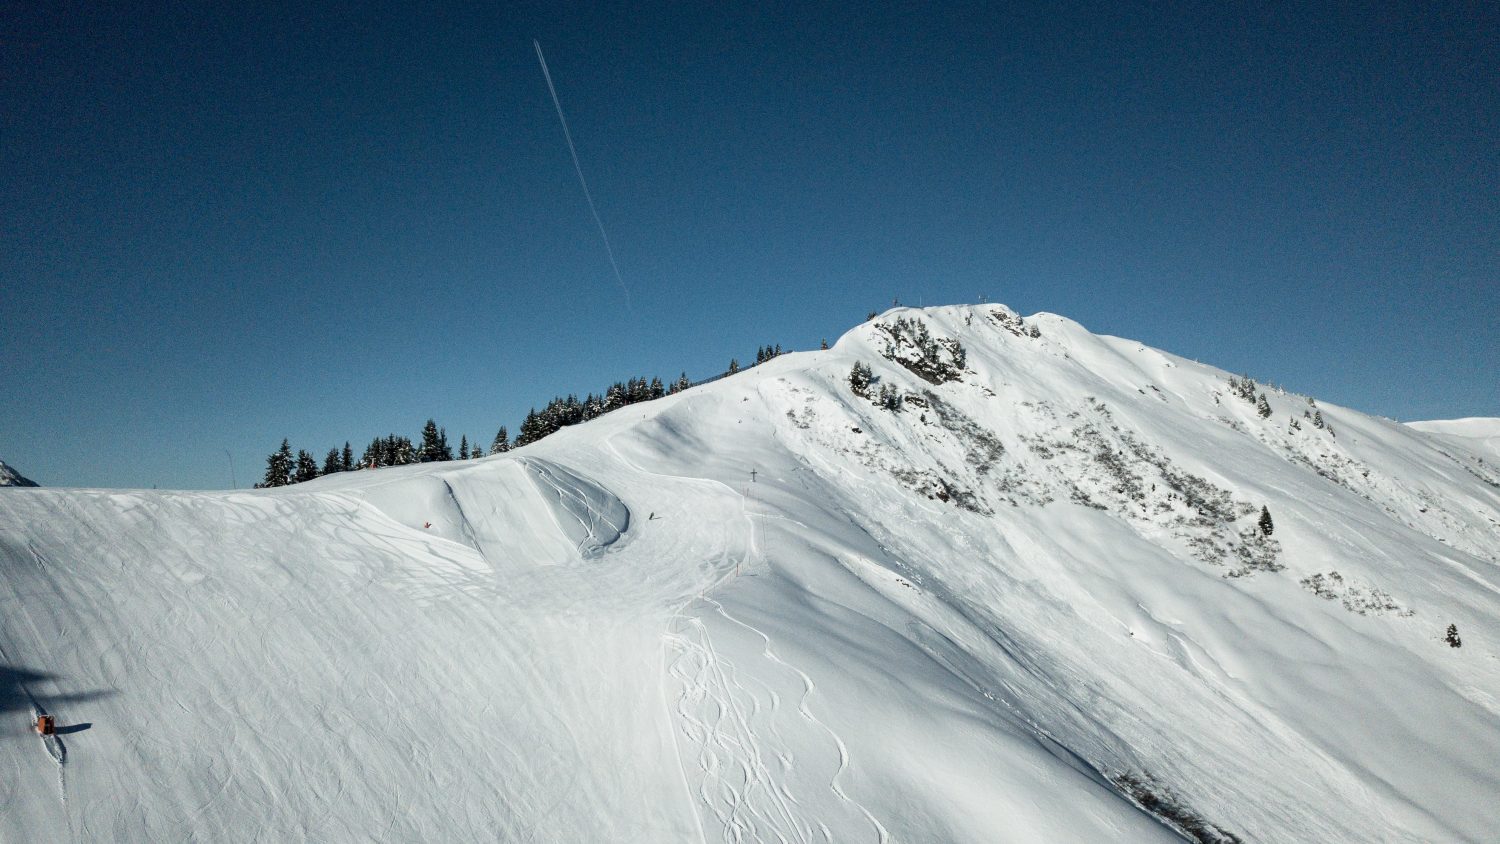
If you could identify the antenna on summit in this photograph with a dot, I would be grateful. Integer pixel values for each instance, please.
(578, 168)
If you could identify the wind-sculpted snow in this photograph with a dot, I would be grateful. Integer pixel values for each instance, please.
(1017, 589)
(1481, 435)
(587, 514)
(515, 513)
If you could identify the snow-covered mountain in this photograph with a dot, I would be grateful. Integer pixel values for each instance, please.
(1011, 585)
(1479, 433)
(10, 477)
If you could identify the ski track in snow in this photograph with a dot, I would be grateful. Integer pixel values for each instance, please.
(805, 711)
(734, 722)
(739, 787)
(734, 728)
(53, 745)
(591, 520)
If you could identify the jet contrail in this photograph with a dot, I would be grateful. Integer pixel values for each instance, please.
(577, 168)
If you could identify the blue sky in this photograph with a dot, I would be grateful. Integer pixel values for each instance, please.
(222, 228)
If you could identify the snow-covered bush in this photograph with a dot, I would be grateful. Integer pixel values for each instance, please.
(936, 360)
(859, 379)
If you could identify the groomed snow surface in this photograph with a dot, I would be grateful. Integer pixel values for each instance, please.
(1028, 602)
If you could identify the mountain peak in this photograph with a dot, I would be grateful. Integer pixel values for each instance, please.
(966, 576)
(10, 477)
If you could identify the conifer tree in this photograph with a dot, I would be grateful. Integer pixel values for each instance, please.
(279, 466)
(463, 447)
(1264, 523)
(331, 463)
(432, 446)
(1263, 407)
(614, 397)
(1318, 419)
(531, 429)
(374, 456)
(1452, 637)
(346, 460)
(734, 365)
(307, 467)
(824, 345)
(859, 379)
(890, 398)
(1244, 387)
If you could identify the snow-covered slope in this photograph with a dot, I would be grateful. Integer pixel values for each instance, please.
(1014, 592)
(1480, 433)
(10, 477)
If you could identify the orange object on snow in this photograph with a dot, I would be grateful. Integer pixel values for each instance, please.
(46, 725)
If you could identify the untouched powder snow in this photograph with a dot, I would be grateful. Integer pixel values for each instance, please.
(1479, 433)
(1014, 592)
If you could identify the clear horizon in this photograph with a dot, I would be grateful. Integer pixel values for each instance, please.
(225, 228)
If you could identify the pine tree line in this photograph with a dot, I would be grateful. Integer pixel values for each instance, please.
(563, 411)
(282, 468)
(765, 353)
(1244, 387)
